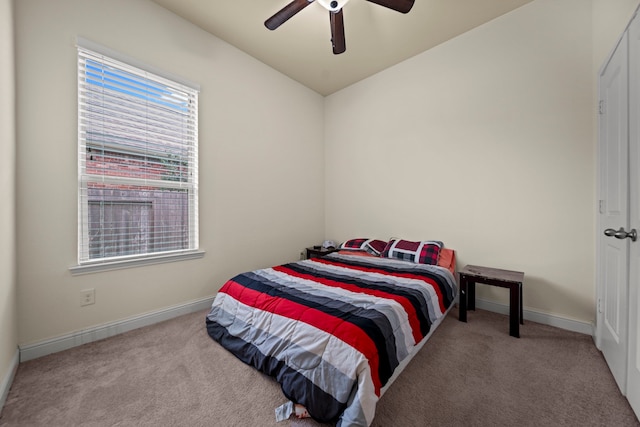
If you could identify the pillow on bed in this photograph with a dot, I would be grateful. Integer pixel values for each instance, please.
(422, 252)
(373, 246)
(446, 258)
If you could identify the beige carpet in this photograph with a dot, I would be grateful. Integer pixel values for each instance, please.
(173, 374)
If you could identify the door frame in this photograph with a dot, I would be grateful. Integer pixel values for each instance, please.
(633, 342)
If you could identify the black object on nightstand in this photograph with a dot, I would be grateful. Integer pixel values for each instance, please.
(319, 251)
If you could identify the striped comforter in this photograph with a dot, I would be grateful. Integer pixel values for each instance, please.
(331, 330)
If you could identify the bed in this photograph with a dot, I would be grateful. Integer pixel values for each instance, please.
(335, 331)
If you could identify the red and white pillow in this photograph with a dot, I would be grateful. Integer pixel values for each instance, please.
(421, 252)
(372, 246)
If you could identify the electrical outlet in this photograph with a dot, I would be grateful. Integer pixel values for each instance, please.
(301, 255)
(87, 297)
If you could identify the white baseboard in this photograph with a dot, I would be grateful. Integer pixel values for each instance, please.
(538, 317)
(65, 342)
(5, 385)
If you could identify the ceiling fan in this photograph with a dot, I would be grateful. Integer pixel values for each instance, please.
(335, 16)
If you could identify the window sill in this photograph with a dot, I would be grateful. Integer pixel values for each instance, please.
(135, 262)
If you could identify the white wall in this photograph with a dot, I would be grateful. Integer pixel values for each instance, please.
(8, 313)
(261, 168)
(484, 142)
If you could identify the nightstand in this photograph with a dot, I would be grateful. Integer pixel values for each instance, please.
(472, 274)
(319, 251)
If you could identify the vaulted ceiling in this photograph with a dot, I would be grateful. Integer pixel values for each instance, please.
(376, 37)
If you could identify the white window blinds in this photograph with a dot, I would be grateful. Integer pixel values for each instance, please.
(137, 162)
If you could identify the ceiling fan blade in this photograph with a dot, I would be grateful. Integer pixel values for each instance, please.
(284, 14)
(402, 6)
(337, 32)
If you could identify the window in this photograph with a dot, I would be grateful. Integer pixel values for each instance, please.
(137, 163)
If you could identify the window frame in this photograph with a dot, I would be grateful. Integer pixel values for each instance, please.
(85, 264)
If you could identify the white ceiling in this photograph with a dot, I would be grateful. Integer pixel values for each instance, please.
(376, 37)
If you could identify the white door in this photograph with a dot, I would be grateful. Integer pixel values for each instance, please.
(633, 370)
(614, 252)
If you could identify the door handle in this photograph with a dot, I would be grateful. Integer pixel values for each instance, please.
(621, 233)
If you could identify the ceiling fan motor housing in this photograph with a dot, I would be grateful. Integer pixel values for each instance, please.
(333, 5)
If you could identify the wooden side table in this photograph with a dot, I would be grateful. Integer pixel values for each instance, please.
(472, 274)
(316, 252)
